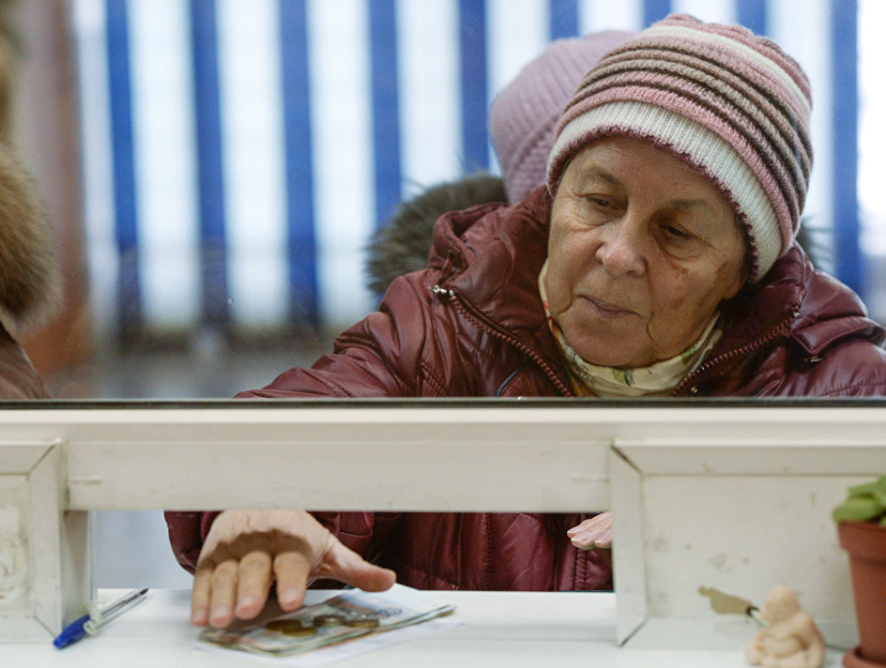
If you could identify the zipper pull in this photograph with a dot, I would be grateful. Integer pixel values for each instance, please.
(442, 293)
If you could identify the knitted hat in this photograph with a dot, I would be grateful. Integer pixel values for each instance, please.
(525, 112)
(729, 103)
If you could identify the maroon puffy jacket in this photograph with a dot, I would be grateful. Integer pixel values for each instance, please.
(472, 324)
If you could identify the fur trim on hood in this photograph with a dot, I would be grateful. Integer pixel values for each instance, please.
(403, 243)
(30, 285)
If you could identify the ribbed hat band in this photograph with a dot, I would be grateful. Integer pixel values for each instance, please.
(729, 103)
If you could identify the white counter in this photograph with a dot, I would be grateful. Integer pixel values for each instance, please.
(498, 629)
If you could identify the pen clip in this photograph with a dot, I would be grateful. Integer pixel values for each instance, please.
(93, 624)
(99, 617)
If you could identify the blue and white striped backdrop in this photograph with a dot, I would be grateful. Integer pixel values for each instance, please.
(238, 153)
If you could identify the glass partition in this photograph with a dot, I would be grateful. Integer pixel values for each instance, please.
(237, 155)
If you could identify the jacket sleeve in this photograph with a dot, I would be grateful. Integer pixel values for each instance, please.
(365, 533)
(378, 357)
(187, 531)
(383, 355)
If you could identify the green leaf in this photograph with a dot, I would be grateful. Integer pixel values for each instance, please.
(865, 489)
(879, 491)
(858, 508)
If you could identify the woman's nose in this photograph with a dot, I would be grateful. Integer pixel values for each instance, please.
(622, 248)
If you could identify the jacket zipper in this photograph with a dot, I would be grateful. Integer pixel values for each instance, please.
(778, 331)
(483, 323)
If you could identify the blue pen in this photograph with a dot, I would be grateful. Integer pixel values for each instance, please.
(97, 618)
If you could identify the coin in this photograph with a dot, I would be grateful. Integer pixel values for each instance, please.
(290, 627)
(328, 620)
(362, 622)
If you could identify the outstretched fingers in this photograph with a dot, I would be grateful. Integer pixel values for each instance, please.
(292, 570)
(224, 593)
(594, 532)
(254, 577)
(345, 565)
(247, 551)
(200, 595)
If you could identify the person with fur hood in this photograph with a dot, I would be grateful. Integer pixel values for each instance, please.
(29, 277)
(521, 126)
(658, 259)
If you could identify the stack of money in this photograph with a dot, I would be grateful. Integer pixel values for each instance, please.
(349, 615)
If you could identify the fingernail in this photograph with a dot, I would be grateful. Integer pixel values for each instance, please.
(287, 596)
(247, 601)
(219, 613)
(198, 617)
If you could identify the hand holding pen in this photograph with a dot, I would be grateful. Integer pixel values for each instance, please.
(98, 617)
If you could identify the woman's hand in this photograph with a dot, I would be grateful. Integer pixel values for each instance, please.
(595, 532)
(247, 550)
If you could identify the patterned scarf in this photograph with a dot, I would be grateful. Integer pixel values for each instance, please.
(590, 380)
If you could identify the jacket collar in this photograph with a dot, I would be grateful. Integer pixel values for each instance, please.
(816, 308)
(492, 255)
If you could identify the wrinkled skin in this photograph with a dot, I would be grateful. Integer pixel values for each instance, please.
(246, 551)
(642, 251)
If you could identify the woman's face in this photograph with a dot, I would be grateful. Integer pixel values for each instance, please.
(642, 251)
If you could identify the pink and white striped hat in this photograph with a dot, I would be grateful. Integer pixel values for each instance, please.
(729, 103)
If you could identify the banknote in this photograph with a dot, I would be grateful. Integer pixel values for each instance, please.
(346, 616)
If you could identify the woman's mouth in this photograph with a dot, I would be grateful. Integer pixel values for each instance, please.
(607, 309)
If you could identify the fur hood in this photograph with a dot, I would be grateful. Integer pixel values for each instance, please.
(30, 284)
(403, 243)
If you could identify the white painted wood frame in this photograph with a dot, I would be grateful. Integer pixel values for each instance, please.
(54, 543)
(677, 470)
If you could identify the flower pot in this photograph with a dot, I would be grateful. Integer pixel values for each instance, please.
(866, 544)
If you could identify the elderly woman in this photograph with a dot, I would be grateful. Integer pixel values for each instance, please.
(659, 260)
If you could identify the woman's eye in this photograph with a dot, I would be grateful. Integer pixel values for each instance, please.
(675, 233)
(600, 201)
